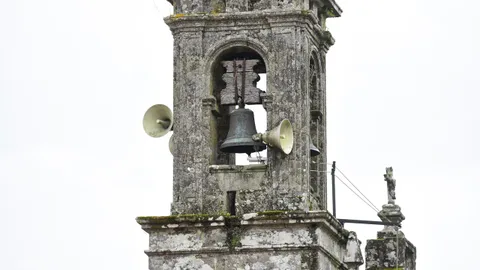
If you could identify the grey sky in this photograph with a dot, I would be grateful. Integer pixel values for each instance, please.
(76, 167)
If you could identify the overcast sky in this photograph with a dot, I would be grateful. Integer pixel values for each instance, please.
(76, 167)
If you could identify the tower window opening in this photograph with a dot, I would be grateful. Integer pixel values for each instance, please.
(239, 80)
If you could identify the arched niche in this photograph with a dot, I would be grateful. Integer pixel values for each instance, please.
(221, 82)
(316, 136)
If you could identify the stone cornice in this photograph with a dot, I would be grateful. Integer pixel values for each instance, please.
(266, 218)
(249, 20)
(337, 11)
(334, 8)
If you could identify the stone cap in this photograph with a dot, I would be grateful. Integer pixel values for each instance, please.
(391, 213)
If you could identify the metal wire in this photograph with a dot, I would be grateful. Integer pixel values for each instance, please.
(378, 210)
(373, 208)
(369, 203)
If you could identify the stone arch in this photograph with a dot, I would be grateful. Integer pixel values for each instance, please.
(226, 50)
(212, 54)
(314, 79)
(315, 96)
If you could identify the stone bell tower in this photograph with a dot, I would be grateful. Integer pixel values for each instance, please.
(262, 216)
(288, 42)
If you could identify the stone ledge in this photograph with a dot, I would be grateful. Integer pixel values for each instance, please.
(277, 216)
(237, 168)
(237, 250)
(265, 218)
(290, 16)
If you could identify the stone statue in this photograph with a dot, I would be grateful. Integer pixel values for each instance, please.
(391, 183)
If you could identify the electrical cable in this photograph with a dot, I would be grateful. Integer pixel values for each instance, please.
(369, 203)
(336, 176)
(373, 208)
(378, 210)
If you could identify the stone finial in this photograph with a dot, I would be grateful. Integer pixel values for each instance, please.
(391, 213)
(391, 184)
(353, 258)
(391, 249)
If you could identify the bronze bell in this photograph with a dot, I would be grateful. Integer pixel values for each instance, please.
(239, 137)
(314, 150)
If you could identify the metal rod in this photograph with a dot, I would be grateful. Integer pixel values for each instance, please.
(370, 222)
(242, 104)
(334, 200)
(235, 80)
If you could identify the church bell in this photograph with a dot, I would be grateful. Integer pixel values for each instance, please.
(314, 150)
(239, 137)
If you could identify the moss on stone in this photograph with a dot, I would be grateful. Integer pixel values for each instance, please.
(330, 13)
(305, 12)
(233, 233)
(218, 8)
(235, 241)
(177, 16)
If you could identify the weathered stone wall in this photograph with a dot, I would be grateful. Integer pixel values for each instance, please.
(269, 240)
(389, 251)
(285, 41)
(287, 259)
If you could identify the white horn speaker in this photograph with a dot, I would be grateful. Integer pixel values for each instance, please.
(158, 120)
(280, 137)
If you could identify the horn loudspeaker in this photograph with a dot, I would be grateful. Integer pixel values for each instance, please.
(280, 137)
(158, 120)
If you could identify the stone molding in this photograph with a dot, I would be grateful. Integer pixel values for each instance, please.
(249, 20)
(265, 218)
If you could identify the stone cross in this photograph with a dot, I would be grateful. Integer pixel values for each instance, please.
(391, 183)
